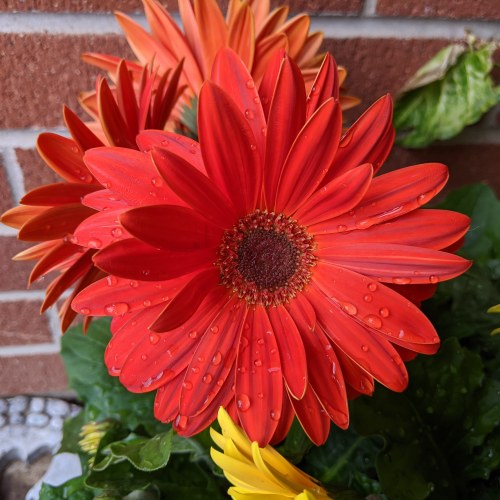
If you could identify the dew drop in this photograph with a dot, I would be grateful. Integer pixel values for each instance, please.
(217, 358)
(193, 334)
(433, 279)
(368, 298)
(117, 309)
(264, 130)
(154, 338)
(85, 310)
(165, 142)
(373, 321)
(95, 243)
(257, 362)
(157, 181)
(214, 329)
(207, 379)
(146, 272)
(134, 284)
(256, 100)
(275, 414)
(220, 382)
(401, 281)
(146, 303)
(144, 357)
(341, 228)
(349, 308)
(117, 232)
(111, 280)
(260, 395)
(243, 402)
(260, 341)
(253, 147)
(181, 422)
(364, 348)
(384, 312)
(250, 84)
(401, 334)
(274, 369)
(187, 385)
(372, 287)
(421, 199)
(195, 369)
(249, 114)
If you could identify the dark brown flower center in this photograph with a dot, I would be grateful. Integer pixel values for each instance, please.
(266, 258)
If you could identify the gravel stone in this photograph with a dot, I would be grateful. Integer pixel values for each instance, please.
(37, 419)
(56, 423)
(18, 404)
(3, 420)
(37, 405)
(16, 418)
(57, 408)
(4, 406)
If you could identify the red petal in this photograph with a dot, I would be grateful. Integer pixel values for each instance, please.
(259, 378)
(136, 260)
(126, 100)
(167, 399)
(64, 157)
(103, 200)
(336, 198)
(391, 195)
(55, 222)
(354, 376)
(283, 126)
(58, 194)
(325, 85)
(230, 74)
(435, 229)
(269, 53)
(53, 260)
(373, 353)
(233, 165)
(174, 143)
(187, 301)
(378, 307)
(241, 36)
(286, 420)
(131, 175)
(195, 188)
(310, 157)
(213, 359)
(291, 350)
(83, 136)
(312, 417)
(101, 229)
(171, 227)
(361, 143)
(100, 298)
(392, 263)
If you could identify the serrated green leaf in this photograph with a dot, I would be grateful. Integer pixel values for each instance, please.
(74, 489)
(443, 108)
(83, 357)
(144, 454)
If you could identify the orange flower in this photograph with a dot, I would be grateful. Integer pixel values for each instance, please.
(50, 214)
(249, 28)
(266, 264)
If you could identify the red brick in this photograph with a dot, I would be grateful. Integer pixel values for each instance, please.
(6, 200)
(452, 9)
(347, 6)
(468, 163)
(38, 374)
(15, 273)
(40, 73)
(36, 172)
(21, 323)
(380, 66)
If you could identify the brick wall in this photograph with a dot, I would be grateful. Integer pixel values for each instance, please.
(381, 42)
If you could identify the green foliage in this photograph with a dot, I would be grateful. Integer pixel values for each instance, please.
(451, 91)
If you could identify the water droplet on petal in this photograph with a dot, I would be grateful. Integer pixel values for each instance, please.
(111, 280)
(364, 348)
(260, 341)
(275, 414)
(373, 321)
(146, 272)
(134, 284)
(95, 243)
(249, 114)
(117, 309)
(154, 338)
(260, 395)
(384, 312)
(368, 298)
(433, 279)
(146, 303)
(165, 142)
(250, 84)
(214, 329)
(117, 232)
(144, 357)
(157, 181)
(421, 199)
(85, 310)
(181, 422)
(350, 309)
(257, 362)
(401, 281)
(243, 402)
(187, 385)
(264, 130)
(341, 228)
(207, 379)
(372, 287)
(253, 147)
(193, 334)
(401, 334)
(217, 358)
(195, 369)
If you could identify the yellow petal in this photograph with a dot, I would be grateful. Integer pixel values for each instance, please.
(494, 309)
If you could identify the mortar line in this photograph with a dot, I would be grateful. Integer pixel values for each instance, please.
(15, 177)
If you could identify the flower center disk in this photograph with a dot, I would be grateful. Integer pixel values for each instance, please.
(266, 258)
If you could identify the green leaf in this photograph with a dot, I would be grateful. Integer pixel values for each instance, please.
(442, 108)
(296, 444)
(446, 416)
(71, 433)
(346, 460)
(74, 489)
(83, 357)
(144, 454)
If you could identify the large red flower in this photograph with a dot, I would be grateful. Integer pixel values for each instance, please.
(268, 270)
(50, 214)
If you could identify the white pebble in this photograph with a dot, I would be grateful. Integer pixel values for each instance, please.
(16, 418)
(3, 406)
(3, 420)
(57, 408)
(37, 405)
(56, 423)
(18, 404)
(37, 419)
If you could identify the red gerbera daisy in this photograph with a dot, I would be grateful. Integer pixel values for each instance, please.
(265, 263)
(51, 213)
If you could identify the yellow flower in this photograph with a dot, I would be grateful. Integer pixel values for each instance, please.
(91, 434)
(495, 309)
(259, 472)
